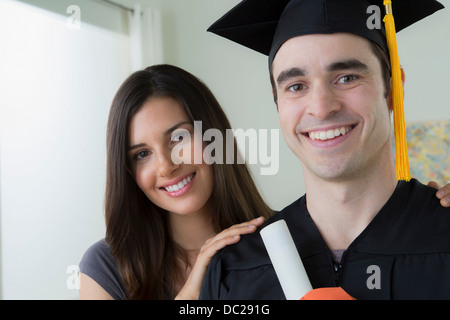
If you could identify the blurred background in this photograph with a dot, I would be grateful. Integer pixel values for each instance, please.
(61, 62)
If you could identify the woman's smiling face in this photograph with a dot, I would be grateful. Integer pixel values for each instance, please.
(160, 125)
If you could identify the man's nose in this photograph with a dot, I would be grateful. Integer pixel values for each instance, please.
(323, 102)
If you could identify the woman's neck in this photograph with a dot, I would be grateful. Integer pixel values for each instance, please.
(190, 232)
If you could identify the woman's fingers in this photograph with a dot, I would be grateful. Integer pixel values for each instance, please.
(229, 236)
(443, 193)
(238, 229)
(191, 289)
(433, 184)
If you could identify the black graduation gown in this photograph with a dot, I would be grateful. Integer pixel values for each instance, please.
(404, 253)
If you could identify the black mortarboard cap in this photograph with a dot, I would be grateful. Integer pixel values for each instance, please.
(264, 25)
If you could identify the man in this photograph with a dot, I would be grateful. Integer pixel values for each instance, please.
(357, 227)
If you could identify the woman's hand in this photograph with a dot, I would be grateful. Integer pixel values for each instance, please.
(443, 193)
(191, 289)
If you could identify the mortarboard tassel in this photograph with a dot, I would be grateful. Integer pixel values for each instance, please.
(401, 148)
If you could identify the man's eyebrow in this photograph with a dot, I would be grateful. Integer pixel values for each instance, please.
(353, 64)
(290, 73)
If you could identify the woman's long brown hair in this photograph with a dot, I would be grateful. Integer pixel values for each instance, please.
(136, 229)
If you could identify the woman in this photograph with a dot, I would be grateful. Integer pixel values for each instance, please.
(158, 214)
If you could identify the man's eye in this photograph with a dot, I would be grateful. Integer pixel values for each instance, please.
(296, 87)
(347, 78)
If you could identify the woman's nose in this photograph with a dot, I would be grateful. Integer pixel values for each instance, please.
(166, 165)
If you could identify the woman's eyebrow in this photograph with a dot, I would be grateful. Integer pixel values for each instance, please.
(165, 133)
(171, 129)
(135, 146)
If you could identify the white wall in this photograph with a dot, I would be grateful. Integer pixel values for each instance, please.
(57, 84)
(424, 51)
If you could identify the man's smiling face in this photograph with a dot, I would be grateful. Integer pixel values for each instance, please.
(332, 107)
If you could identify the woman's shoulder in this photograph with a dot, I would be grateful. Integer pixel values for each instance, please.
(99, 264)
(99, 247)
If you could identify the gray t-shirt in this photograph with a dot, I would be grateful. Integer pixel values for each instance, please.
(99, 264)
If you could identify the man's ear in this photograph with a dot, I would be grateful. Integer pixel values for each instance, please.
(389, 96)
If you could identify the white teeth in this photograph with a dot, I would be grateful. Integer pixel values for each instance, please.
(337, 132)
(330, 134)
(180, 184)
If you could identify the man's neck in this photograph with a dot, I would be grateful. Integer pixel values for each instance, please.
(342, 210)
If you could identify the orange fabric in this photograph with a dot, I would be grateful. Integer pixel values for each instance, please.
(327, 294)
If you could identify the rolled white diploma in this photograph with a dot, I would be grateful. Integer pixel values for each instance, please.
(286, 261)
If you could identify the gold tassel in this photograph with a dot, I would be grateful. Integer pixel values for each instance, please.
(401, 148)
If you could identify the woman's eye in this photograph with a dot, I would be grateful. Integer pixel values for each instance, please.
(141, 155)
(177, 138)
(180, 136)
(296, 87)
(347, 79)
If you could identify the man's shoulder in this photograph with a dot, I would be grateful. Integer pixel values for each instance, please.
(250, 251)
(414, 206)
(420, 200)
(424, 210)
(412, 221)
